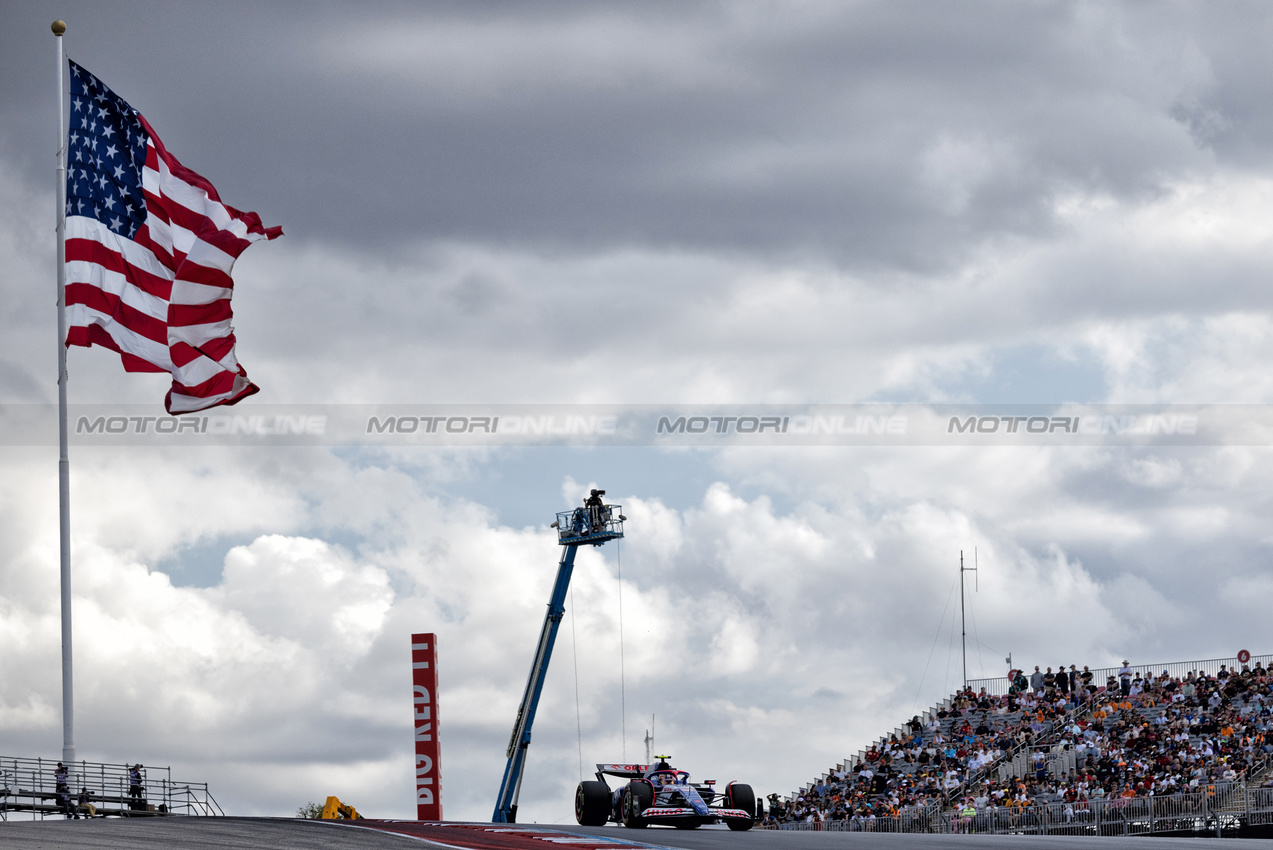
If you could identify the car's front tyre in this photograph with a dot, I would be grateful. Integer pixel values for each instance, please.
(637, 797)
(739, 796)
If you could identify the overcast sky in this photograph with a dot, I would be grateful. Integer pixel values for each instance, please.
(500, 203)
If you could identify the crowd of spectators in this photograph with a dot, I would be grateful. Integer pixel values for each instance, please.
(1045, 742)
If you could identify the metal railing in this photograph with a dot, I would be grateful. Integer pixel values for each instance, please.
(917, 820)
(1011, 763)
(1212, 811)
(999, 685)
(29, 785)
(900, 733)
(581, 525)
(1259, 806)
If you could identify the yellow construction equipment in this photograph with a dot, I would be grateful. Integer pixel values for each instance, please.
(336, 810)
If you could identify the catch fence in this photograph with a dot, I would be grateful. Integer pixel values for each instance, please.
(1214, 810)
(999, 684)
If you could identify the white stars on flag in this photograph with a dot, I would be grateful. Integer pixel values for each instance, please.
(109, 183)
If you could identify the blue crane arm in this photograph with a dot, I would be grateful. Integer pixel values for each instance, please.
(511, 786)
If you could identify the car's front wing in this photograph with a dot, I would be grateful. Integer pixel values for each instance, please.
(655, 814)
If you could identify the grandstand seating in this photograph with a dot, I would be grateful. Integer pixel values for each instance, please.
(1003, 759)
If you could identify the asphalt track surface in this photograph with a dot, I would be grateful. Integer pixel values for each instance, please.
(289, 833)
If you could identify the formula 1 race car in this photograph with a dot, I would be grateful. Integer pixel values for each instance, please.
(660, 794)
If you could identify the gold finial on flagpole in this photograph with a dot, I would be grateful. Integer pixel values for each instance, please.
(59, 27)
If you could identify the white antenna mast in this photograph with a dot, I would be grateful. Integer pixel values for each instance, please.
(963, 625)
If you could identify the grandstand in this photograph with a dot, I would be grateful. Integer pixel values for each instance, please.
(30, 787)
(1181, 747)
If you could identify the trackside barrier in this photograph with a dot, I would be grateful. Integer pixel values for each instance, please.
(1260, 806)
(29, 786)
(1224, 808)
(929, 820)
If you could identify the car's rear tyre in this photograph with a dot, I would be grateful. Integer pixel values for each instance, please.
(740, 796)
(637, 797)
(592, 803)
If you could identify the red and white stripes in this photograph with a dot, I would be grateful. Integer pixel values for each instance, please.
(162, 298)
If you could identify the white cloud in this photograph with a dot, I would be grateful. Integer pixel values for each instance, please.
(802, 630)
(307, 591)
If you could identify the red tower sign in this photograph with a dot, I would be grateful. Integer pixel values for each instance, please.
(1243, 656)
(424, 678)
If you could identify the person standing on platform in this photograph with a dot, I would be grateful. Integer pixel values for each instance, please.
(595, 509)
(137, 800)
(62, 788)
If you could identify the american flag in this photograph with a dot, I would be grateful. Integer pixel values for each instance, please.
(149, 249)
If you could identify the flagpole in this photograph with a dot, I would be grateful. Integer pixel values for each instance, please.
(63, 462)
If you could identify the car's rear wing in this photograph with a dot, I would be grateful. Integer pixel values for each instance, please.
(624, 771)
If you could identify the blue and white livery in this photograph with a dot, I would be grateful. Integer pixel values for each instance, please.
(661, 794)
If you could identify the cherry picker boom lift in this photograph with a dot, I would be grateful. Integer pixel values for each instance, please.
(591, 525)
